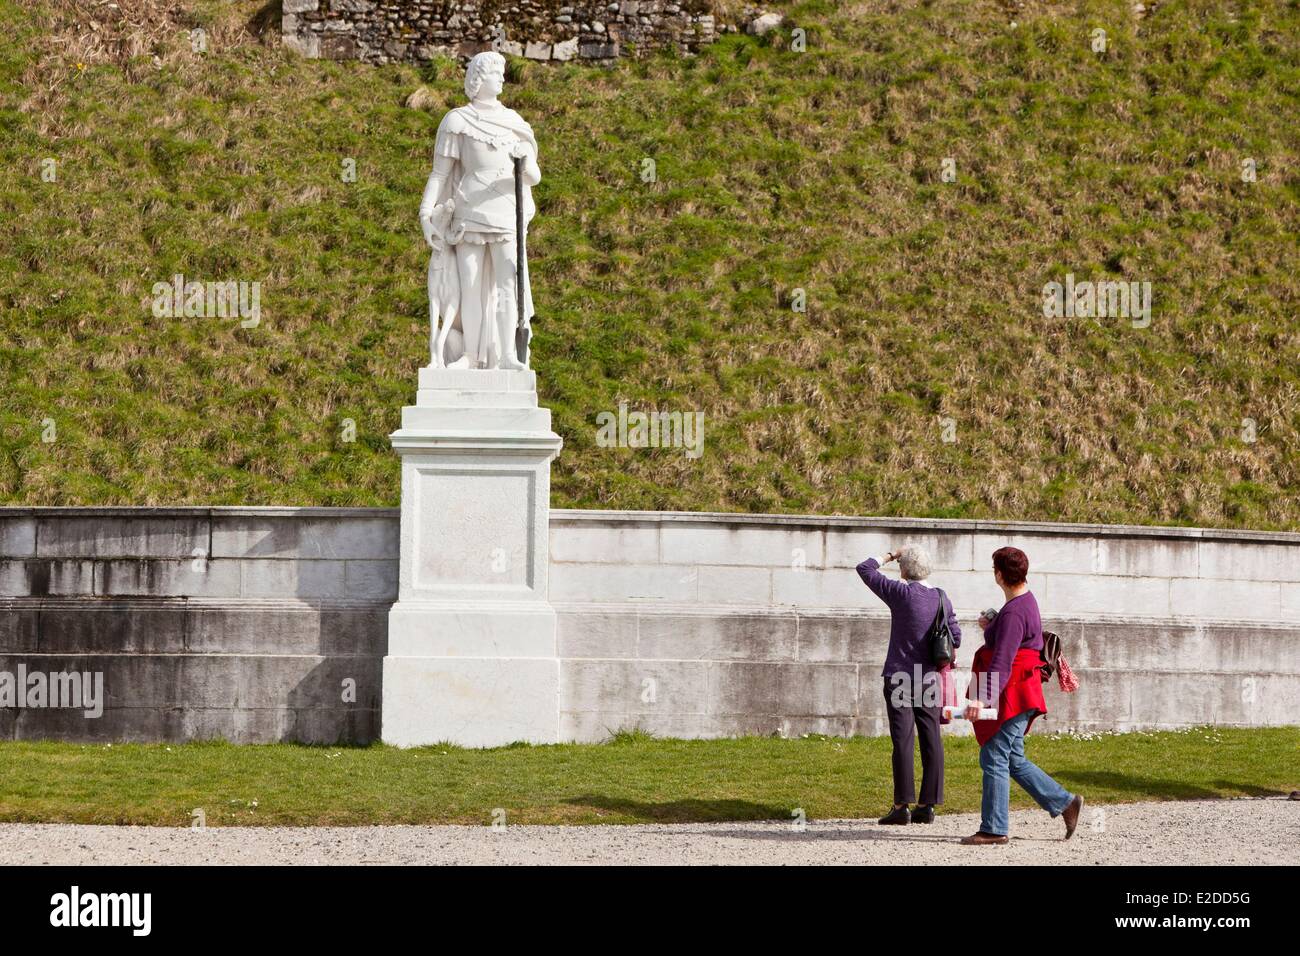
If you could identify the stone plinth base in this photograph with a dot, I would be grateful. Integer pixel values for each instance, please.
(471, 701)
(472, 657)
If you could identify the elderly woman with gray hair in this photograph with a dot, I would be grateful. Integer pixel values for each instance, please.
(912, 689)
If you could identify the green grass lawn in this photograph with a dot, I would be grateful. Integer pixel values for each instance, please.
(777, 171)
(632, 779)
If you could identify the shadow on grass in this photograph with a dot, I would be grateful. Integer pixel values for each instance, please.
(684, 811)
(1160, 789)
(816, 833)
(1250, 789)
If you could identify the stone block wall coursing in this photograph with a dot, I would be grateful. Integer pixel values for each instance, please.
(245, 623)
(382, 31)
(693, 625)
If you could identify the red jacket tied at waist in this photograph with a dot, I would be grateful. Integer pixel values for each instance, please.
(1024, 691)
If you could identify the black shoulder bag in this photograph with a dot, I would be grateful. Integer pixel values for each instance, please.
(939, 636)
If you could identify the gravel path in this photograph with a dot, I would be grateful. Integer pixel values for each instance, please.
(1244, 832)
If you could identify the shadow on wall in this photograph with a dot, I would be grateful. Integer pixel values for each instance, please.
(338, 702)
(684, 811)
(319, 715)
(1163, 789)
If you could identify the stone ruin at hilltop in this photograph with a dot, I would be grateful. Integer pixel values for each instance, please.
(599, 31)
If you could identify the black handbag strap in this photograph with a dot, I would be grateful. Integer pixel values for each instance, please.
(941, 615)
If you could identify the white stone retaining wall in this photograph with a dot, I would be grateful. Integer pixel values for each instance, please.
(703, 625)
(244, 623)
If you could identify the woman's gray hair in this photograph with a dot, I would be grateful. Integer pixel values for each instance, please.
(480, 66)
(914, 563)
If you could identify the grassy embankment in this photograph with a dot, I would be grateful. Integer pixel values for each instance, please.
(777, 171)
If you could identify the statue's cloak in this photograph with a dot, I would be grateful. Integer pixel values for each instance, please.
(485, 196)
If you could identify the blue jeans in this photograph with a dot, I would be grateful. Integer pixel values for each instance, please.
(1003, 759)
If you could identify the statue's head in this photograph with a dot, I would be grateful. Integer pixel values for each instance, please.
(486, 73)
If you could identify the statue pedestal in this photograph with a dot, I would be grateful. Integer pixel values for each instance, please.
(472, 656)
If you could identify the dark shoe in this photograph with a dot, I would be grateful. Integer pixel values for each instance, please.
(899, 816)
(923, 814)
(1071, 816)
(983, 839)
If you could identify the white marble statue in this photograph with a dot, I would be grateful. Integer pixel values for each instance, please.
(468, 217)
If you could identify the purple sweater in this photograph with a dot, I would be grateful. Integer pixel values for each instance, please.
(1017, 625)
(912, 607)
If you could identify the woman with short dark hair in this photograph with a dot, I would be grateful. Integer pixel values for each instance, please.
(1005, 675)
